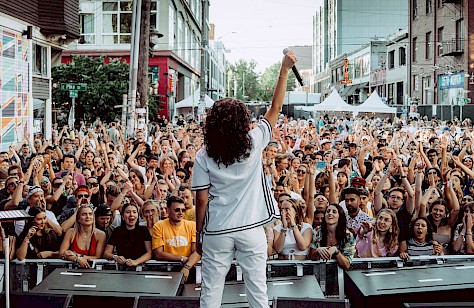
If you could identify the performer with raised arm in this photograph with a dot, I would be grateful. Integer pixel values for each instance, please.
(233, 199)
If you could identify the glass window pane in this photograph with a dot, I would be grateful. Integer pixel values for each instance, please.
(87, 39)
(153, 20)
(126, 23)
(109, 23)
(126, 6)
(110, 39)
(87, 23)
(110, 6)
(153, 5)
(125, 39)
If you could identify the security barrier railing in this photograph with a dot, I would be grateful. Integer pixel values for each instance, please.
(24, 275)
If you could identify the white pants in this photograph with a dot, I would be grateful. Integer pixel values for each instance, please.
(250, 247)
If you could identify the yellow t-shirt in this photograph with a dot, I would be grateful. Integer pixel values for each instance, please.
(174, 239)
(190, 214)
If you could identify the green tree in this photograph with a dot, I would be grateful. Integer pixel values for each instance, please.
(247, 80)
(106, 84)
(269, 79)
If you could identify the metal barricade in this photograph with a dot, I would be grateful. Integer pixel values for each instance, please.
(26, 274)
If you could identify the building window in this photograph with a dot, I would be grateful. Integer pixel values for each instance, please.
(391, 93)
(391, 59)
(40, 60)
(171, 27)
(402, 56)
(86, 24)
(428, 7)
(117, 22)
(439, 44)
(414, 49)
(428, 46)
(460, 34)
(154, 14)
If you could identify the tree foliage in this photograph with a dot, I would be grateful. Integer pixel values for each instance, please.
(257, 87)
(269, 80)
(106, 84)
(244, 80)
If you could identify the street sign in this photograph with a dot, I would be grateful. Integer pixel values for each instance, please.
(467, 100)
(74, 86)
(73, 94)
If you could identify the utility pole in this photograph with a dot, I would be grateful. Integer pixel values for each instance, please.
(205, 42)
(134, 47)
(143, 84)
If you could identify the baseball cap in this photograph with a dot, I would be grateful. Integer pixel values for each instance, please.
(324, 141)
(358, 181)
(103, 210)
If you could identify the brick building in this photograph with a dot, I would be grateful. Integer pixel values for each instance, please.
(441, 71)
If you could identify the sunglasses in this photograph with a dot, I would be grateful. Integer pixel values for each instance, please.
(181, 176)
(14, 174)
(82, 196)
(301, 171)
(87, 205)
(432, 173)
(44, 182)
(93, 184)
(321, 199)
(178, 210)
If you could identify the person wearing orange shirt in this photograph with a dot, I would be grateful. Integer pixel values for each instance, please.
(174, 239)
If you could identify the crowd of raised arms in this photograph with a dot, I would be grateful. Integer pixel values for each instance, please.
(346, 188)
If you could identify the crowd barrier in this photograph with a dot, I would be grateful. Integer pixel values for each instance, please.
(25, 275)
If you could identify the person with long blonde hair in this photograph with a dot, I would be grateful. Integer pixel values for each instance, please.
(380, 239)
(84, 242)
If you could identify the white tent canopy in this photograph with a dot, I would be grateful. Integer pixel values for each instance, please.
(375, 104)
(186, 105)
(333, 102)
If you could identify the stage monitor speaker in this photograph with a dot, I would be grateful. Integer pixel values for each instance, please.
(90, 301)
(167, 302)
(295, 302)
(28, 300)
(439, 305)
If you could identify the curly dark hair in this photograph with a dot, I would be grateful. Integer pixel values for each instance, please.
(226, 132)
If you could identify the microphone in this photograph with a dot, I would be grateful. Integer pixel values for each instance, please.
(295, 70)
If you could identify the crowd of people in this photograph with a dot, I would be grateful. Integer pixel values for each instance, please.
(345, 187)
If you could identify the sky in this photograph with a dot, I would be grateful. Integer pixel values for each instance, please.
(263, 28)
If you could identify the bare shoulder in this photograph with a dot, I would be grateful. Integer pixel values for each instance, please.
(99, 234)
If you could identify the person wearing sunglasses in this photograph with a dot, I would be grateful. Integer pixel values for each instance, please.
(82, 196)
(131, 241)
(174, 239)
(93, 185)
(183, 175)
